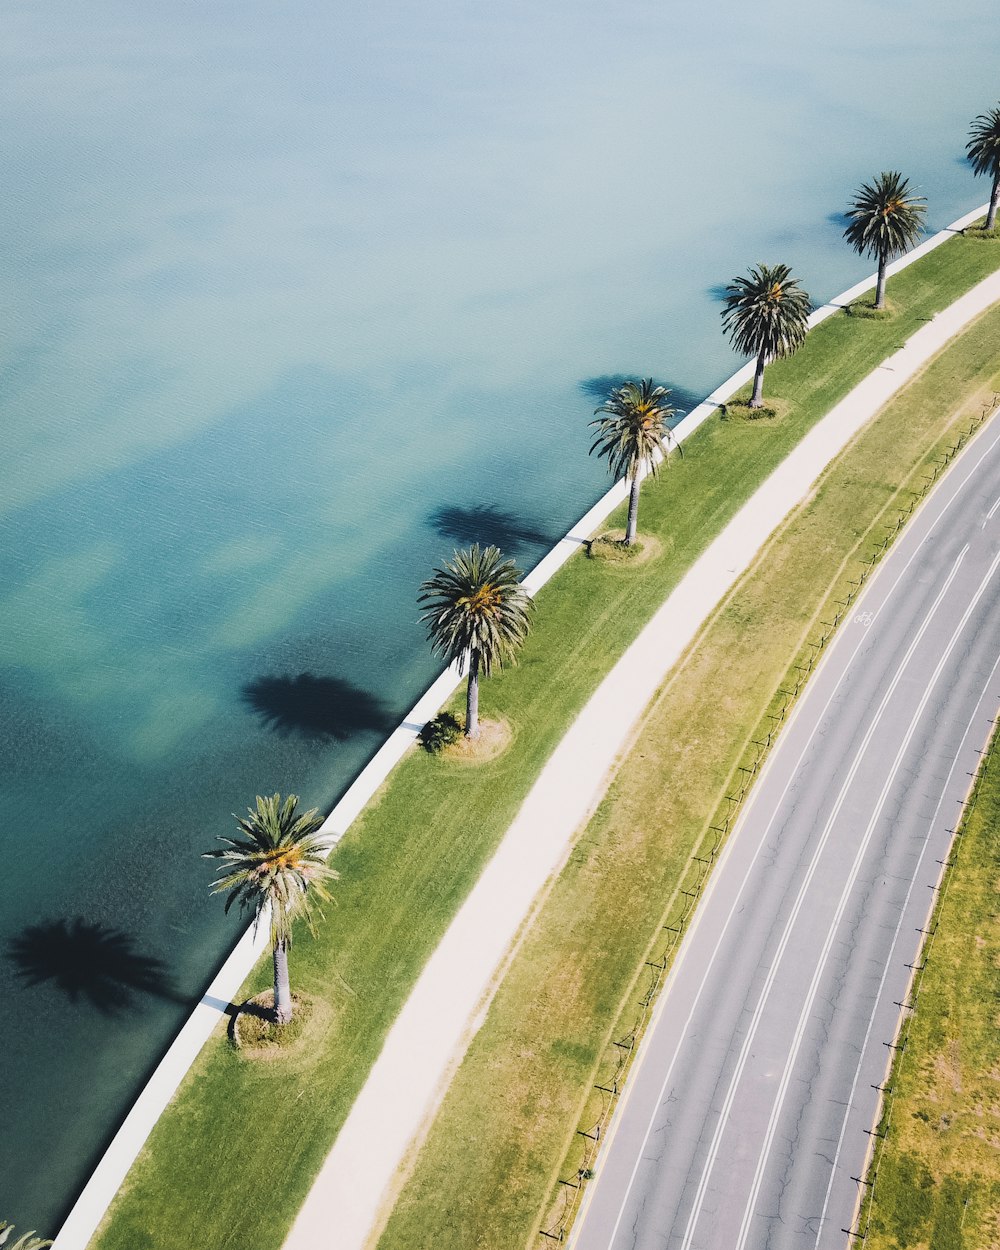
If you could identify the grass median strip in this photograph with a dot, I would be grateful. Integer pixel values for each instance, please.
(231, 1160)
(510, 1127)
(938, 1180)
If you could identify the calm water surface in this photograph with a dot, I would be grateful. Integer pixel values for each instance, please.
(296, 298)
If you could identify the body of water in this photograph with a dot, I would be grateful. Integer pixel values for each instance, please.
(296, 299)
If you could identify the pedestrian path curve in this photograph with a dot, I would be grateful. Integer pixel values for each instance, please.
(353, 1192)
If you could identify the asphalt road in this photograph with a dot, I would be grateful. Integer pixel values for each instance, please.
(745, 1118)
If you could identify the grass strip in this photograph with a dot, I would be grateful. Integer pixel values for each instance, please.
(233, 1157)
(938, 1167)
(508, 1144)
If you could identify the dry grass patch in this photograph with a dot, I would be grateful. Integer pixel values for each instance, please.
(739, 412)
(495, 736)
(255, 1034)
(939, 1171)
(610, 547)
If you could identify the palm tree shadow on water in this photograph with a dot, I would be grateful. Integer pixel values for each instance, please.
(91, 963)
(490, 527)
(317, 708)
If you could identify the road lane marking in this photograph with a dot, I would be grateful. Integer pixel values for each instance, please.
(958, 486)
(799, 901)
(845, 896)
(892, 951)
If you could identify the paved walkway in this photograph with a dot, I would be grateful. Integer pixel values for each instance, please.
(352, 1194)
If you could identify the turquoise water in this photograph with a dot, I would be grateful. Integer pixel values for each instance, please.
(295, 299)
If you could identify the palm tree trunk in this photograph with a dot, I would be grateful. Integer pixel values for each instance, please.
(282, 988)
(633, 510)
(991, 216)
(880, 288)
(472, 697)
(757, 398)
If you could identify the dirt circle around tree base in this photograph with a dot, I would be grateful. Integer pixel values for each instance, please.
(254, 1033)
(609, 548)
(495, 736)
(739, 412)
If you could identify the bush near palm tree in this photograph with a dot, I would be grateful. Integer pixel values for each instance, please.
(885, 219)
(27, 1241)
(476, 612)
(983, 152)
(766, 315)
(273, 868)
(633, 433)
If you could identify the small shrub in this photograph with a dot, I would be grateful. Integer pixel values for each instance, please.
(441, 732)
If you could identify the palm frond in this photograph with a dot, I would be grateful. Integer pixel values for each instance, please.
(766, 311)
(633, 430)
(885, 217)
(983, 148)
(280, 861)
(27, 1241)
(475, 602)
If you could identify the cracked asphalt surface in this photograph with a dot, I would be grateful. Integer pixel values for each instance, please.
(745, 1121)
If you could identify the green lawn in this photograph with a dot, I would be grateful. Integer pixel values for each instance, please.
(232, 1158)
(938, 1181)
(487, 1175)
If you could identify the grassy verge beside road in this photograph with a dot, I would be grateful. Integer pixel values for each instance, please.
(231, 1160)
(938, 1180)
(507, 1131)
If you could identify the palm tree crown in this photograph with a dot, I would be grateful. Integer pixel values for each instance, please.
(278, 861)
(983, 152)
(884, 219)
(475, 603)
(766, 315)
(633, 432)
(476, 608)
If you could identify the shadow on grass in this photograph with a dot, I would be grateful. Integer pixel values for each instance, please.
(318, 708)
(91, 963)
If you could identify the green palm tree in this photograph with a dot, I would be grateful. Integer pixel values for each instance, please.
(27, 1241)
(983, 151)
(766, 315)
(885, 219)
(476, 611)
(633, 433)
(274, 867)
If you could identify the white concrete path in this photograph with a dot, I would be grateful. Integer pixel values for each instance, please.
(109, 1174)
(351, 1194)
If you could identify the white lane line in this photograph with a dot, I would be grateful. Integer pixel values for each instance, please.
(892, 951)
(804, 887)
(845, 895)
(991, 514)
(945, 508)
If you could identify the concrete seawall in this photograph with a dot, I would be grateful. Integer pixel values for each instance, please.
(130, 1138)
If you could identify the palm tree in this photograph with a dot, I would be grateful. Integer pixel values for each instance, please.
(884, 220)
(632, 434)
(477, 610)
(766, 315)
(27, 1241)
(983, 151)
(273, 868)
